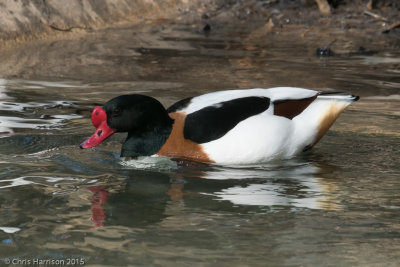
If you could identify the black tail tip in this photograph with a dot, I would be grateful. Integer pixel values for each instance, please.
(356, 97)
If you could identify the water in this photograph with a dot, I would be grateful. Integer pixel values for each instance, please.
(337, 205)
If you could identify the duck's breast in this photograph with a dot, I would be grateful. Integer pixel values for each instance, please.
(177, 146)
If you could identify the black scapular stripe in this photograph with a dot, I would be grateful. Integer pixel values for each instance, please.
(179, 105)
(215, 121)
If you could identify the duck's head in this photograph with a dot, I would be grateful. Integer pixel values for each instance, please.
(135, 114)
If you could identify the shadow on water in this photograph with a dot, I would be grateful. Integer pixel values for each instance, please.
(336, 204)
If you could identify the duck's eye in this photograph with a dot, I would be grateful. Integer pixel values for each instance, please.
(116, 112)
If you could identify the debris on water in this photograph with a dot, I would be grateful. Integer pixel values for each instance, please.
(207, 28)
(325, 51)
(324, 7)
(391, 27)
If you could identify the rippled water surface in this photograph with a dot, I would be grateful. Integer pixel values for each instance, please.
(338, 205)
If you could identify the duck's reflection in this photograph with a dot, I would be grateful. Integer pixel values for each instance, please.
(148, 197)
(294, 185)
(99, 198)
(139, 202)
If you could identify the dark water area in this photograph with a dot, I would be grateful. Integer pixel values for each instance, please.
(337, 205)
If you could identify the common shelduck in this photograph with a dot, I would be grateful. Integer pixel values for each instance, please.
(224, 127)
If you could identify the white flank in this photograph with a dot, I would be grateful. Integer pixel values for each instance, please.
(265, 137)
(260, 138)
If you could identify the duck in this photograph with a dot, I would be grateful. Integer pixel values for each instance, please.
(228, 127)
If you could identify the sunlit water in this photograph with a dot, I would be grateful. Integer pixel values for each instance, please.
(338, 205)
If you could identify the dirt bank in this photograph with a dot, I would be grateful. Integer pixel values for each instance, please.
(22, 20)
(85, 40)
(29, 20)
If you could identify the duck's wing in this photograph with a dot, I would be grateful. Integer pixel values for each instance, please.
(181, 104)
(212, 122)
(290, 108)
(192, 104)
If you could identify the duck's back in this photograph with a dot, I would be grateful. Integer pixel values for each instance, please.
(251, 126)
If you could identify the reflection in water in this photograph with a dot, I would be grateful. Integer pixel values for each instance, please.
(32, 115)
(98, 199)
(310, 195)
(39, 180)
(3, 96)
(292, 184)
(10, 230)
(147, 197)
(296, 184)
